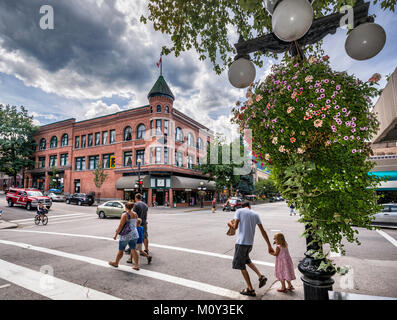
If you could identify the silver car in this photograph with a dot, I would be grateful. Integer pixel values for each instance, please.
(388, 216)
(56, 197)
(113, 208)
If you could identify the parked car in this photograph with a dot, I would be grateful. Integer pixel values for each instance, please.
(232, 205)
(114, 208)
(80, 199)
(56, 196)
(388, 216)
(28, 198)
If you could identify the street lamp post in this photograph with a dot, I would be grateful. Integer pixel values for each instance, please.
(294, 28)
(139, 176)
(201, 189)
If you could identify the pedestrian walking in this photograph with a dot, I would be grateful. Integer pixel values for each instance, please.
(284, 269)
(291, 207)
(140, 241)
(213, 205)
(128, 235)
(245, 221)
(141, 210)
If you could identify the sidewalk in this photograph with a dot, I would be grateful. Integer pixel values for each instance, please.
(272, 294)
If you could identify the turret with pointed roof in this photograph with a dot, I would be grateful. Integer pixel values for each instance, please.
(161, 88)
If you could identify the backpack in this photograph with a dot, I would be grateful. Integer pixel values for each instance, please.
(127, 227)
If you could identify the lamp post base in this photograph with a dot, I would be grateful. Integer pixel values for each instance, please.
(316, 289)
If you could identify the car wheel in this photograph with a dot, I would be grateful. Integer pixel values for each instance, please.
(102, 215)
(10, 204)
(28, 206)
(67, 201)
(80, 203)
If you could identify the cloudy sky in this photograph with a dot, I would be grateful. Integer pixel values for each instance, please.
(100, 59)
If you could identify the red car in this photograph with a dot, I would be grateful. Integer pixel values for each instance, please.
(232, 204)
(29, 198)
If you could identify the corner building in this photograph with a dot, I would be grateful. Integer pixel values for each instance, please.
(155, 142)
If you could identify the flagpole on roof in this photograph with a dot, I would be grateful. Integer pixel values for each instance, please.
(161, 64)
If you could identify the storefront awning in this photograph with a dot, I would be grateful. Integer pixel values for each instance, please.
(388, 186)
(191, 183)
(128, 182)
(391, 175)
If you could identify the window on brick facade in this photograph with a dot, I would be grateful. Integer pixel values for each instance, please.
(127, 134)
(140, 132)
(65, 140)
(93, 162)
(167, 109)
(90, 140)
(190, 162)
(54, 142)
(112, 136)
(80, 163)
(178, 134)
(83, 141)
(64, 159)
(41, 163)
(104, 137)
(128, 159)
(178, 159)
(151, 127)
(166, 124)
(140, 154)
(158, 127)
(199, 143)
(76, 142)
(158, 154)
(53, 161)
(43, 144)
(158, 108)
(190, 140)
(97, 138)
(106, 160)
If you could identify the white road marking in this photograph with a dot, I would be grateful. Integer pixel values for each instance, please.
(151, 274)
(5, 286)
(56, 217)
(275, 230)
(207, 253)
(48, 286)
(389, 238)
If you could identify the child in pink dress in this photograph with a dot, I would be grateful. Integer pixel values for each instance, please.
(284, 270)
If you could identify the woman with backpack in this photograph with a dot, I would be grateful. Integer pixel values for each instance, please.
(128, 235)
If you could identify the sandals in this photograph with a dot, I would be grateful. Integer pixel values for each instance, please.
(247, 292)
(149, 259)
(113, 264)
(262, 281)
(129, 261)
(282, 290)
(135, 268)
(291, 288)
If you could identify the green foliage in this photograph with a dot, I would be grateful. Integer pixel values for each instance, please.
(99, 176)
(16, 142)
(265, 187)
(53, 184)
(313, 126)
(205, 26)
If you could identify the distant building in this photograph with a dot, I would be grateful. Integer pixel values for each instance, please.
(384, 143)
(166, 141)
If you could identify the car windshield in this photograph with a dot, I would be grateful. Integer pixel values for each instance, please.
(35, 193)
(233, 201)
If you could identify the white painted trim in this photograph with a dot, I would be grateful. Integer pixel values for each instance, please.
(146, 273)
(47, 285)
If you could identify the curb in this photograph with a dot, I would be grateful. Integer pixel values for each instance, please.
(7, 225)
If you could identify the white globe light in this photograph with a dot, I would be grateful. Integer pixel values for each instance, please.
(292, 19)
(365, 41)
(241, 73)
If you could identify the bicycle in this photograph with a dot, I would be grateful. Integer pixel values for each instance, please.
(38, 218)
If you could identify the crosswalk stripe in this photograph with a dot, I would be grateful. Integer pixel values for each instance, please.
(47, 285)
(58, 221)
(56, 217)
(207, 253)
(151, 274)
(387, 237)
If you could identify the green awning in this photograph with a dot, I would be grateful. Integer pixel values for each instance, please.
(390, 175)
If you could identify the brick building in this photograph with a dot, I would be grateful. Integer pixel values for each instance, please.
(167, 142)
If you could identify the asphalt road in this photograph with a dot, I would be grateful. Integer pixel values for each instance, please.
(191, 256)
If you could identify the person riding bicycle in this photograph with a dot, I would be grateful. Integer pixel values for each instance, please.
(41, 210)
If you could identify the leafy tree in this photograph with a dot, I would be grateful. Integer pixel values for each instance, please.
(99, 179)
(205, 26)
(53, 180)
(16, 140)
(265, 187)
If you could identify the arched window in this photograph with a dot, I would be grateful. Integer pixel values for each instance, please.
(127, 134)
(65, 140)
(167, 109)
(140, 131)
(53, 142)
(178, 134)
(158, 108)
(43, 144)
(151, 109)
(190, 140)
(199, 144)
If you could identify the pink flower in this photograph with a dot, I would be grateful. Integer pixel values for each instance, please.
(309, 79)
(292, 139)
(318, 123)
(293, 95)
(258, 98)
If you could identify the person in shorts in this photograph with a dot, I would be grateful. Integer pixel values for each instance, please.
(140, 241)
(246, 220)
(141, 209)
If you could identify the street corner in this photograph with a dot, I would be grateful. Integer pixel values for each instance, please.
(7, 225)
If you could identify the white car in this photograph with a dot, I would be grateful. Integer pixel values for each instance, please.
(388, 216)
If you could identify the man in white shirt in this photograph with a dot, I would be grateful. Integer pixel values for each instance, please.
(246, 220)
